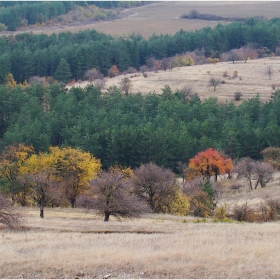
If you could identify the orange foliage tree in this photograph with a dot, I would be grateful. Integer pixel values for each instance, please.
(210, 163)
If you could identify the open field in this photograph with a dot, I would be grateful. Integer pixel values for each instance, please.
(252, 79)
(70, 243)
(164, 17)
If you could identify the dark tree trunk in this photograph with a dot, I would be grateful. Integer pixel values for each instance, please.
(73, 202)
(107, 215)
(42, 211)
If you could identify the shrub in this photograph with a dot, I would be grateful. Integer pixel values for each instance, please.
(225, 74)
(244, 213)
(237, 95)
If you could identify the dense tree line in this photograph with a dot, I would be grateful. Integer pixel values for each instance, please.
(14, 14)
(135, 129)
(26, 55)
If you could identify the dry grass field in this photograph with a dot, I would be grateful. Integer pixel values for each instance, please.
(252, 79)
(164, 17)
(71, 243)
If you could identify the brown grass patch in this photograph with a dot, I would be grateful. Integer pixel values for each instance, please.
(164, 17)
(52, 249)
(254, 79)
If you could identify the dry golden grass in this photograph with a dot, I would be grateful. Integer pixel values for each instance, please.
(69, 241)
(252, 79)
(164, 17)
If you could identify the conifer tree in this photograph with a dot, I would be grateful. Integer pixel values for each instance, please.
(63, 72)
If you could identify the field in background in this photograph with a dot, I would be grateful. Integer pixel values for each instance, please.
(164, 17)
(252, 79)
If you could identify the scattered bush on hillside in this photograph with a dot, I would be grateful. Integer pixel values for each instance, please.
(202, 196)
(237, 95)
(100, 83)
(183, 60)
(213, 82)
(113, 71)
(92, 74)
(125, 85)
(244, 213)
(266, 211)
(37, 80)
(221, 214)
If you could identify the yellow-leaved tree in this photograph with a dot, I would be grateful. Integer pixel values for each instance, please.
(11, 160)
(75, 169)
(61, 172)
(38, 175)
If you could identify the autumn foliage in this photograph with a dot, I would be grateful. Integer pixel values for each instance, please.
(210, 163)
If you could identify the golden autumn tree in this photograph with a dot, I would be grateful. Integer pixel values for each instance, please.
(38, 174)
(75, 169)
(210, 163)
(11, 160)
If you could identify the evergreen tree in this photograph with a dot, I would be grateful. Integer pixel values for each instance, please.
(63, 72)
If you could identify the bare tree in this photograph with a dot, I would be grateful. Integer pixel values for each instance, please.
(93, 74)
(269, 71)
(100, 84)
(8, 216)
(154, 185)
(237, 95)
(40, 184)
(213, 82)
(263, 173)
(245, 168)
(232, 55)
(144, 69)
(182, 167)
(125, 85)
(111, 195)
(166, 63)
(37, 80)
(187, 90)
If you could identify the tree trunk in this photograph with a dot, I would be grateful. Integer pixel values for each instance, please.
(251, 187)
(107, 215)
(73, 202)
(42, 211)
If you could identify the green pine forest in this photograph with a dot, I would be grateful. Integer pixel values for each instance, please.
(135, 129)
(26, 55)
(130, 129)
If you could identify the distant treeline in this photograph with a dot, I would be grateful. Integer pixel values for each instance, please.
(27, 55)
(14, 14)
(194, 14)
(135, 129)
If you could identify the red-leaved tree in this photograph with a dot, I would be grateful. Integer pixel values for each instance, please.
(210, 163)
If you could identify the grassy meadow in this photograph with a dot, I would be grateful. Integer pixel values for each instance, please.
(252, 79)
(72, 243)
(164, 17)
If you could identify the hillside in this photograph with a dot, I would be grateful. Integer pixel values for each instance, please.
(164, 17)
(252, 79)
